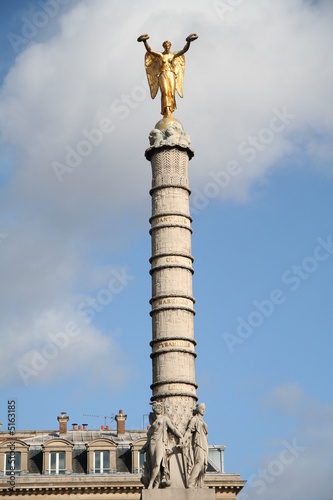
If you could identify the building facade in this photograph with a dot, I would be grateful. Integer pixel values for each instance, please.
(84, 463)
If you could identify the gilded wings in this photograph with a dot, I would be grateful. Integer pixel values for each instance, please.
(179, 66)
(165, 71)
(154, 66)
(153, 69)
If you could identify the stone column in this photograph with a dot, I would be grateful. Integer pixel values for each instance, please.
(172, 303)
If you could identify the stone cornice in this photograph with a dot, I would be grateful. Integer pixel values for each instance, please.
(80, 483)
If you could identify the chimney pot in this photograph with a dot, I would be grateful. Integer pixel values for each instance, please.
(102, 427)
(80, 427)
(107, 427)
(84, 426)
(74, 427)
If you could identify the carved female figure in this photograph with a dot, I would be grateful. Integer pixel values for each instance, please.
(197, 430)
(157, 444)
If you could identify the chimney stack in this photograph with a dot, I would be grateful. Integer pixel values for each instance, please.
(63, 419)
(120, 419)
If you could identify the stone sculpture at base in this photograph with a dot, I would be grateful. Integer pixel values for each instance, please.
(158, 450)
(197, 450)
(192, 447)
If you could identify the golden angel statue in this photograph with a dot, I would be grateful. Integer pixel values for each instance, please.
(165, 70)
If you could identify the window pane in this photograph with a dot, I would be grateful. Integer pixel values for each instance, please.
(18, 461)
(53, 461)
(13, 462)
(57, 462)
(142, 458)
(61, 462)
(10, 462)
(215, 457)
(106, 461)
(97, 461)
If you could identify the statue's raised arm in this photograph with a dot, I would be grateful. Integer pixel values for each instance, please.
(189, 39)
(165, 71)
(144, 38)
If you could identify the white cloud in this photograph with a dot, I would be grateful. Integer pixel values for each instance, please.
(252, 60)
(286, 399)
(297, 466)
(259, 57)
(52, 345)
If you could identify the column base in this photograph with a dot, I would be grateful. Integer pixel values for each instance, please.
(178, 494)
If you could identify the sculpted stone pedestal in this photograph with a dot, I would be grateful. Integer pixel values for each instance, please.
(178, 494)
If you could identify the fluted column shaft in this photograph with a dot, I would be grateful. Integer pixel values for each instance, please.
(173, 345)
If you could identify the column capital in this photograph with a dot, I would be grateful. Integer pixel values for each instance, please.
(168, 134)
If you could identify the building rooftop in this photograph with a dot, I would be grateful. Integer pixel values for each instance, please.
(87, 461)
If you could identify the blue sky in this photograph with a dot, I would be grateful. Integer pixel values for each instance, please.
(74, 227)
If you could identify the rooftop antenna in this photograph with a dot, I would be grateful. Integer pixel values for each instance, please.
(100, 416)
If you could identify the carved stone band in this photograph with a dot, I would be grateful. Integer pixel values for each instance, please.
(170, 220)
(172, 261)
(172, 303)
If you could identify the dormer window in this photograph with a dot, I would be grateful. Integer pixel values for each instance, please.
(12, 463)
(101, 456)
(216, 458)
(13, 458)
(57, 456)
(57, 462)
(101, 462)
(138, 448)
